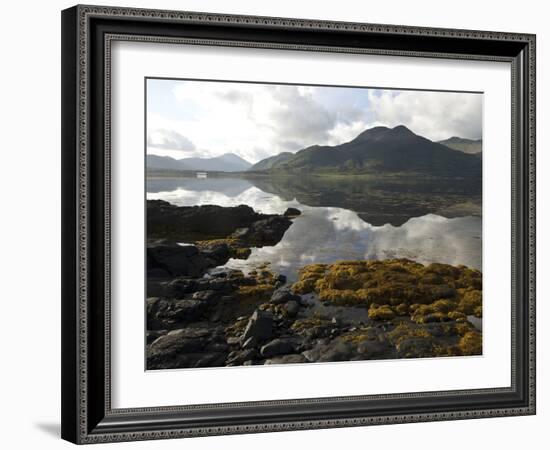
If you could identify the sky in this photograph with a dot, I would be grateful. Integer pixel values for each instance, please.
(255, 121)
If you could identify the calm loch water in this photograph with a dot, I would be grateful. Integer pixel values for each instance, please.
(350, 219)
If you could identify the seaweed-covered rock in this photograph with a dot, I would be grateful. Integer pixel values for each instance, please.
(395, 283)
(471, 343)
(381, 312)
(415, 347)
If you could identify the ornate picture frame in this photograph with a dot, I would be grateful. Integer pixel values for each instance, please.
(88, 33)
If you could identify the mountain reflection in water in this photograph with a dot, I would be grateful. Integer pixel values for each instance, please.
(346, 220)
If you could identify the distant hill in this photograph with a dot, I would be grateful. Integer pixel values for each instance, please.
(464, 145)
(229, 162)
(165, 163)
(272, 161)
(381, 150)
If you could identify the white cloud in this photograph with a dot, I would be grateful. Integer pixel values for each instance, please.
(251, 120)
(434, 115)
(345, 132)
(169, 139)
(255, 121)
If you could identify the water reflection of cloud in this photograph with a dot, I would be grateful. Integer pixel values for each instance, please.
(327, 234)
(253, 197)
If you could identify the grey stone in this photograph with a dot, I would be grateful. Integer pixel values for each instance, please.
(292, 307)
(339, 351)
(287, 359)
(178, 287)
(210, 360)
(281, 278)
(276, 347)
(188, 347)
(233, 340)
(251, 342)
(205, 296)
(372, 349)
(283, 295)
(165, 313)
(259, 326)
(239, 357)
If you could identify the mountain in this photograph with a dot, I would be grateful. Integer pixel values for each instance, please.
(382, 150)
(228, 162)
(464, 145)
(272, 161)
(165, 163)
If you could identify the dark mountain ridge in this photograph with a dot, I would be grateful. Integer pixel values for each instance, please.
(382, 150)
(270, 162)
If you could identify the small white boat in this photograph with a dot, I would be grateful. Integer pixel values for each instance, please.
(202, 174)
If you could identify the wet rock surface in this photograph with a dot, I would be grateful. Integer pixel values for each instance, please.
(202, 315)
(212, 223)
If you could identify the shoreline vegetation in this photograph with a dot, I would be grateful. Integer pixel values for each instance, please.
(397, 177)
(201, 314)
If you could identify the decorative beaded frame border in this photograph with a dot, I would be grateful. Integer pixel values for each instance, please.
(84, 14)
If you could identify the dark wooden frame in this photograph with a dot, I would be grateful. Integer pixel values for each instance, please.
(87, 32)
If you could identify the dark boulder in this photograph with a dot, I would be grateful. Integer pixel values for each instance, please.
(280, 278)
(292, 212)
(259, 326)
(237, 358)
(292, 308)
(283, 295)
(153, 335)
(165, 313)
(250, 342)
(372, 349)
(277, 347)
(217, 253)
(188, 347)
(205, 296)
(329, 352)
(286, 359)
(175, 259)
(178, 287)
(267, 231)
(187, 224)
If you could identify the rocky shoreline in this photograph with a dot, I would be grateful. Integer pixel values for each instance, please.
(202, 315)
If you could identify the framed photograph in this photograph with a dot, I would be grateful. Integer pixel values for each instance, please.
(282, 224)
